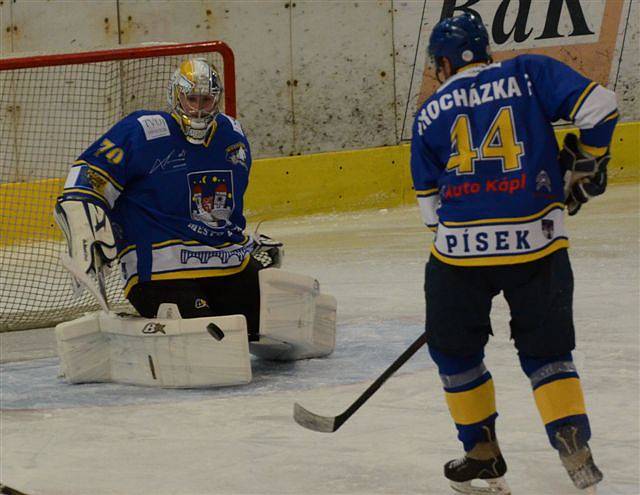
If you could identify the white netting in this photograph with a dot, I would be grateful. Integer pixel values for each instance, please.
(48, 116)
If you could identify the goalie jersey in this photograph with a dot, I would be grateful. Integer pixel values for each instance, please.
(484, 157)
(176, 207)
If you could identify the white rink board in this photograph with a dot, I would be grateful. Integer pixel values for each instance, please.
(60, 439)
(315, 75)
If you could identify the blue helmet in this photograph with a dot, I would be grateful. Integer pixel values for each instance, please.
(462, 40)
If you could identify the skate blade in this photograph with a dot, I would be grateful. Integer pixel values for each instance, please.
(495, 486)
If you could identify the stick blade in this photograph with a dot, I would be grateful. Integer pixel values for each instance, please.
(315, 422)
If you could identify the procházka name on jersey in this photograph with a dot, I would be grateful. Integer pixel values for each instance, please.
(484, 157)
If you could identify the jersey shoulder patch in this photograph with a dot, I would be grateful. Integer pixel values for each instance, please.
(154, 126)
(234, 123)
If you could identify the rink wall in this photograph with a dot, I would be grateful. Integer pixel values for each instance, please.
(326, 90)
(317, 76)
(377, 178)
(299, 185)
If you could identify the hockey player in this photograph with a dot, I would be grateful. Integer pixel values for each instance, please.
(492, 184)
(163, 192)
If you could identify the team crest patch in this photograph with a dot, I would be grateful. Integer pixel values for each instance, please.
(543, 180)
(211, 196)
(98, 183)
(237, 154)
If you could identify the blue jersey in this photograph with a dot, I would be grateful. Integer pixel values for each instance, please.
(484, 157)
(176, 207)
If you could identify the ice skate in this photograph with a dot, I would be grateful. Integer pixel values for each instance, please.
(577, 459)
(480, 472)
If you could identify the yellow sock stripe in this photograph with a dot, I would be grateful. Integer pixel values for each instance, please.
(472, 406)
(560, 399)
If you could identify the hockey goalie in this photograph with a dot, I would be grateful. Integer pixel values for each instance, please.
(161, 195)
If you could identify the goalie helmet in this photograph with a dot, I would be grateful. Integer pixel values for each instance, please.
(194, 96)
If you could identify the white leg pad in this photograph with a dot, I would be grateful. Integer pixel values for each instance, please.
(160, 352)
(296, 320)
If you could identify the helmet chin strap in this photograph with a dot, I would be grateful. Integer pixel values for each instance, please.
(196, 130)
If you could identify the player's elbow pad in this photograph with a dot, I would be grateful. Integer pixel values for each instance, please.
(596, 108)
(87, 230)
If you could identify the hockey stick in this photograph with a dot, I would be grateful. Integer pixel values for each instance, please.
(7, 490)
(329, 424)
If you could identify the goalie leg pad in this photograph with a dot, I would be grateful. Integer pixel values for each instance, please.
(296, 320)
(159, 352)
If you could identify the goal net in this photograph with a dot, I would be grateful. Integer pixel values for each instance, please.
(52, 108)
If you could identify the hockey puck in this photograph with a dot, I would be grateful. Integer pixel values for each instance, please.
(215, 331)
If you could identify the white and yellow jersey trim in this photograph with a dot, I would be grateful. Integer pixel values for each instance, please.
(501, 241)
(595, 105)
(104, 187)
(176, 259)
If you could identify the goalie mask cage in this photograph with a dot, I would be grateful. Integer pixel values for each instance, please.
(52, 108)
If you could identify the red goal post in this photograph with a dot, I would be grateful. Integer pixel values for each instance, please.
(228, 68)
(51, 108)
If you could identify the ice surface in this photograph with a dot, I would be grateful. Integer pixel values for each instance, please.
(34, 384)
(114, 439)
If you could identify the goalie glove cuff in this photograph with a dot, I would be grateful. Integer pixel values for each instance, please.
(88, 232)
(268, 252)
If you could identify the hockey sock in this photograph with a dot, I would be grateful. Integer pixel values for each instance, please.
(558, 394)
(470, 395)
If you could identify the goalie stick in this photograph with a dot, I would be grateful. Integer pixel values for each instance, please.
(329, 424)
(80, 279)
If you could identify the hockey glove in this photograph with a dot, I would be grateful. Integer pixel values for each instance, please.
(91, 246)
(268, 252)
(585, 189)
(585, 175)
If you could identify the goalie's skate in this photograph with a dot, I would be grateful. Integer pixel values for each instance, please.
(577, 459)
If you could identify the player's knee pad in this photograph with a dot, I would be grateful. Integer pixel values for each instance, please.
(470, 394)
(163, 352)
(558, 394)
(296, 320)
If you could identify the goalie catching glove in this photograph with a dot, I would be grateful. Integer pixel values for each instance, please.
(90, 242)
(268, 252)
(585, 174)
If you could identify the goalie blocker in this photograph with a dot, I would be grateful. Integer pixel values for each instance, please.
(91, 246)
(296, 322)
